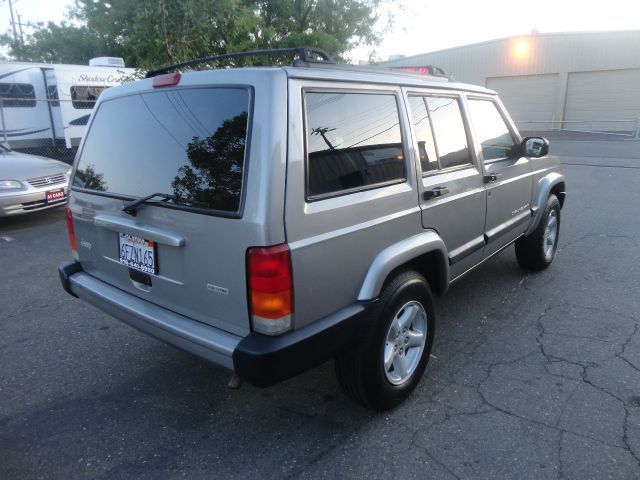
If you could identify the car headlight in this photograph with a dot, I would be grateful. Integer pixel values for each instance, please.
(10, 185)
(67, 174)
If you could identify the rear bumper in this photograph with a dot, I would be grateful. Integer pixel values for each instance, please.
(198, 338)
(262, 360)
(258, 359)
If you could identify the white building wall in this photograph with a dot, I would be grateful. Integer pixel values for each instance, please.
(561, 54)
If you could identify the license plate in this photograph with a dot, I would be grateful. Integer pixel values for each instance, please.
(54, 195)
(138, 253)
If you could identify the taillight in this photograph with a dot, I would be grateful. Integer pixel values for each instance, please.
(166, 80)
(270, 289)
(72, 233)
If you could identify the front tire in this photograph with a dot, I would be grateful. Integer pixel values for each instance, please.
(537, 250)
(387, 364)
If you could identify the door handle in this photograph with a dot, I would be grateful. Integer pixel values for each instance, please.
(492, 177)
(435, 192)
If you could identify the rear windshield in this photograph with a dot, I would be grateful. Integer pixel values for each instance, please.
(186, 143)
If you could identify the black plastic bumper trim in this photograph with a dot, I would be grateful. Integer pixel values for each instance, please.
(65, 271)
(466, 249)
(262, 360)
(494, 233)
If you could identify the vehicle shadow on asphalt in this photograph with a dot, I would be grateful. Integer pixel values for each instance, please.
(152, 408)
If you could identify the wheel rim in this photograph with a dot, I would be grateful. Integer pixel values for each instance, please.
(405, 341)
(551, 233)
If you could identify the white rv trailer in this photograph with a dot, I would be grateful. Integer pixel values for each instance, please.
(46, 106)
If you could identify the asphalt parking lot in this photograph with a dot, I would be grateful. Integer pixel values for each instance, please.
(534, 376)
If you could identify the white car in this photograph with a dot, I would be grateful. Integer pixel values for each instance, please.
(29, 183)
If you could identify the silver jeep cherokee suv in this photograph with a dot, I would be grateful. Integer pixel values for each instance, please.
(269, 219)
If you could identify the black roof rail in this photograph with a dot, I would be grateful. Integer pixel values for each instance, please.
(303, 56)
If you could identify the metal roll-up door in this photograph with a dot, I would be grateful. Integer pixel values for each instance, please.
(530, 99)
(603, 101)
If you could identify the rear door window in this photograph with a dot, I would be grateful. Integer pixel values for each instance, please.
(424, 133)
(449, 131)
(353, 142)
(440, 132)
(186, 143)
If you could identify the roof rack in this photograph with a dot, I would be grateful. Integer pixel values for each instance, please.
(303, 56)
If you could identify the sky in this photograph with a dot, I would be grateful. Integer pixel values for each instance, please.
(422, 26)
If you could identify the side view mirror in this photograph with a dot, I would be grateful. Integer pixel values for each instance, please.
(535, 147)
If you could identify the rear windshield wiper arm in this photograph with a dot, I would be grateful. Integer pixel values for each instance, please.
(132, 208)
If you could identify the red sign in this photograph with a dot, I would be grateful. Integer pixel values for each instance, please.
(55, 195)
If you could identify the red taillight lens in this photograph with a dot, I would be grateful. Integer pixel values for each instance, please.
(72, 233)
(270, 288)
(166, 80)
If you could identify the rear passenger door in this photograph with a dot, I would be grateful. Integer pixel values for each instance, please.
(450, 182)
(507, 174)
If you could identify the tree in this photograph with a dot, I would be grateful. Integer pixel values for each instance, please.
(150, 33)
(64, 43)
(214, 176)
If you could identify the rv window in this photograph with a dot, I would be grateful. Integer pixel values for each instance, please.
(52, 96)
(17, 95)
(85, 97)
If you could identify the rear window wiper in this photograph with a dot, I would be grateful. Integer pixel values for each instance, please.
(132, 208)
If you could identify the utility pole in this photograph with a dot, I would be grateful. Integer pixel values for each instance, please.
(13, 23)
(323, 133)
(20, 26)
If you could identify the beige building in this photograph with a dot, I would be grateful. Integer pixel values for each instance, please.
(575, 80)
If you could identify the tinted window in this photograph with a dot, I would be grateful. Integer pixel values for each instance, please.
(85, 97)
(424, 135)
(492, 132)
(353, 141)
(17, 95)
(448, 128)
(187, 143)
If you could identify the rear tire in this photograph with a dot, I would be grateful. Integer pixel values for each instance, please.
(388, 362)
(537, 250)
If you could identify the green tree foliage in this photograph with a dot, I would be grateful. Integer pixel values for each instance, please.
(149, 33)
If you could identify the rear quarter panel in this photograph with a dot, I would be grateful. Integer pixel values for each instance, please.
(334, 241)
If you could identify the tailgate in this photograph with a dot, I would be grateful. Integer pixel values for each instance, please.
(184, 248)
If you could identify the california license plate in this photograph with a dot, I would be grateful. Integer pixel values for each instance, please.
(138, 253)
(54, 195)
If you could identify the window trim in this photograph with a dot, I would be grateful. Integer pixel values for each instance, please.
(467, 131)
(433, 136)
(500, 108)
(403, 139)
(202, 211)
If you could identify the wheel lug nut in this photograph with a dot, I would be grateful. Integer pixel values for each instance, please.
(404, 330)
(406, 340)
